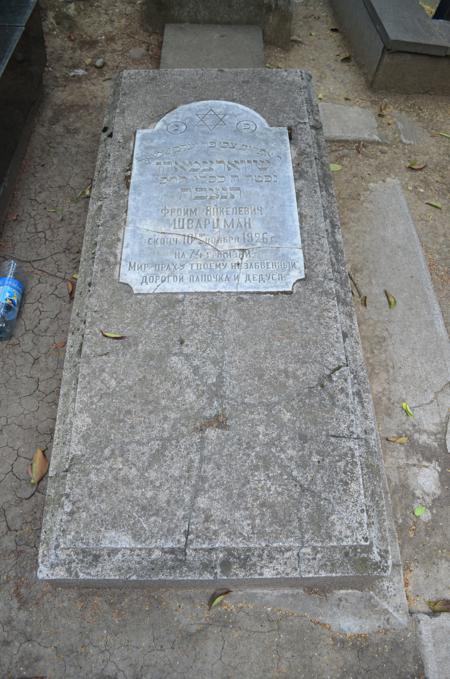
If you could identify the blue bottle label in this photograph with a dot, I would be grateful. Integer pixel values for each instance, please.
(11, 291)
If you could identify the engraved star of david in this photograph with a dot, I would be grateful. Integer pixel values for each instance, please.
(210, 119)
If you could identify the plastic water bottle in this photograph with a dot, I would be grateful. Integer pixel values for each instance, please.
(11, 293)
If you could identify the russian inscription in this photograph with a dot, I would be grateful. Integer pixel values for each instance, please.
(212, 205)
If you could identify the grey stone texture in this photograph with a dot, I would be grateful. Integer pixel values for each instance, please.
(274, 16)
(242, 425)
(219, 46)
(398, 46)
(22, 63)
(212, 204)
(434, 636)
(409, 360)
(348, 123)
(410, 131)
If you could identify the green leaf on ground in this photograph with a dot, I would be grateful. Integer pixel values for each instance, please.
(85, 193)
(335, 167)
(217, 596)
(429, 9)
(415, 165)
(398, 439)
(112, 335)
(392, 302)
(439, 605)
(444, 134)
(438, 206)
(419, 510)
(407, 409)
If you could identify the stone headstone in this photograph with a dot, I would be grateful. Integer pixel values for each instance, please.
(274, 16)
(212, 204)
(230, 434)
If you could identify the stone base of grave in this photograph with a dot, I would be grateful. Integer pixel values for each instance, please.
(273, 16)
(229, 437)
(397, 44)
(218, 46)
(22, 63)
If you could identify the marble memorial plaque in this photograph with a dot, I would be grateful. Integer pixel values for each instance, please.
(212, 204)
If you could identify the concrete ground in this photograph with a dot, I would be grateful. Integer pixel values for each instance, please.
(53, 632)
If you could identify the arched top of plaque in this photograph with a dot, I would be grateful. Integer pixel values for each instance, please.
(212, 205)
(211, 116)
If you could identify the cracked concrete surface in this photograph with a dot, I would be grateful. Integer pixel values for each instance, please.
(101, 632)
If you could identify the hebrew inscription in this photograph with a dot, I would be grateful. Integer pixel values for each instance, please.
(212, 205)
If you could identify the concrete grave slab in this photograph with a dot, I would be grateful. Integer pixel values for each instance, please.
(348, 123)
(229, 436)
(434, 635)
(218, 46)
(410, 131)
(399, 47)
(408, 355)
(273, 16)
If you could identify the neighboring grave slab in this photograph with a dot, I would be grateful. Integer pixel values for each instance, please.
(212, 204)
(230, 435)
(219, 46)
(348, 123)
(274, 16)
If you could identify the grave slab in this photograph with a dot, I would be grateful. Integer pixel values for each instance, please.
(194, 45)
(399, 47)
(273, 16)
(434, 634)
(408, 355)
(229, 435)
(410, 131)
(348, 123)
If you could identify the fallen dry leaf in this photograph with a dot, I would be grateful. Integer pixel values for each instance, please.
(346, 58)
(59, 345)
(217, 596)
(398, 439)
(383, 108)
(429, 9)
(85, 193)
(71, 289)
(38, 467)
(219, 421)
